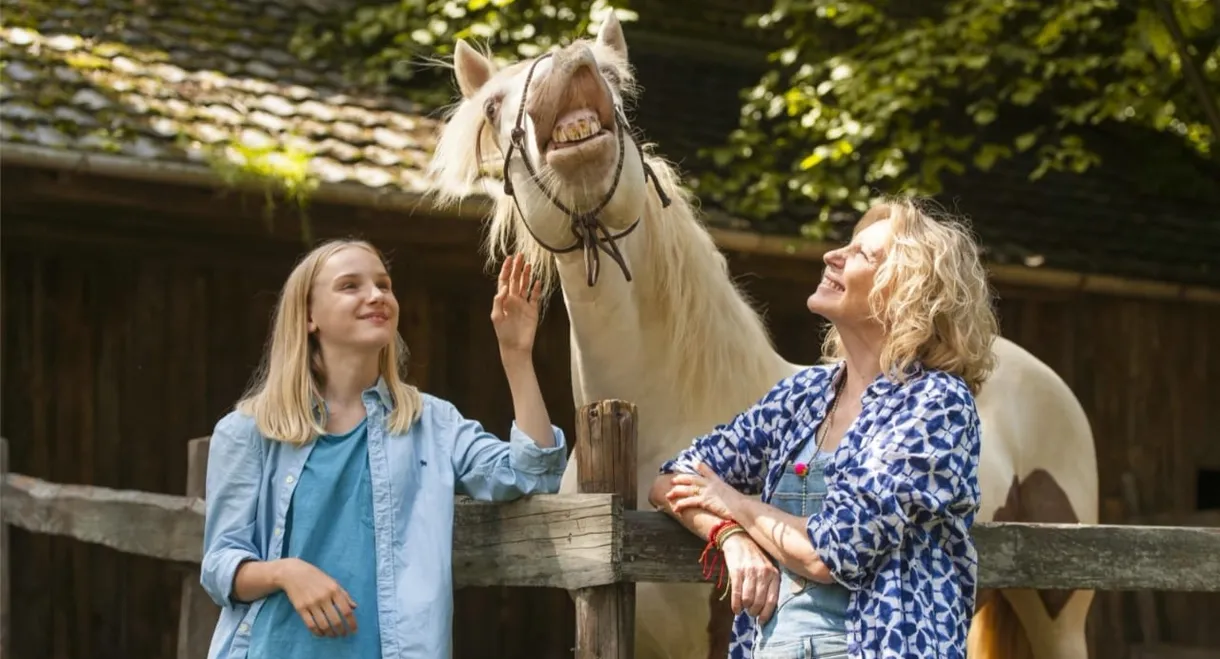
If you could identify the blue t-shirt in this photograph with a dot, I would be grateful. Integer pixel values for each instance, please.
(330, 526)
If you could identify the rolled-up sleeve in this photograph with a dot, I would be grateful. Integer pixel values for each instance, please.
(233, 476)
(736, 451)
(920, 468)
(490, 469)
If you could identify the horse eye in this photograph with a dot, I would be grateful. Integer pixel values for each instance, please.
(491, 108)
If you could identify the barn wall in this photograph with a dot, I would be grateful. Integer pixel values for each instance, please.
(128, 329)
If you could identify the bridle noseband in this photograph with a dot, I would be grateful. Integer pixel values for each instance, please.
(589, 232)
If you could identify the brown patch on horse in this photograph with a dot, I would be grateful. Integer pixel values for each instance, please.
(984, 596)
(1039, 499)
(719, 625)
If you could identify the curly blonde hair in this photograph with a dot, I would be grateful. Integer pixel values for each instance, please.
(930, 294)
(285, 398)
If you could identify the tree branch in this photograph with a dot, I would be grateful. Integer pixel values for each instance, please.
(1193, 76)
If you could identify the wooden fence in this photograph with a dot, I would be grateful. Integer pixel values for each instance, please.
(592, 543)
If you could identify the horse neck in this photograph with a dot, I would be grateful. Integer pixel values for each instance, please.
(680, 339)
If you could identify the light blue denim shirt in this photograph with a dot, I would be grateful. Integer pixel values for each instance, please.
(415, 476)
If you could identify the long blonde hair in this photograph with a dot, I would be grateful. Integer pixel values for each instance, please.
(285, 398)
(930, 294)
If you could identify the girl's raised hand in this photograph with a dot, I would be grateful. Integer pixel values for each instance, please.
(514, 310)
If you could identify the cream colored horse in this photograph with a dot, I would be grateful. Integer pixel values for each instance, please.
(680, 341)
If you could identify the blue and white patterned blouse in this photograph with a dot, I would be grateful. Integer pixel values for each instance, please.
(902, 495)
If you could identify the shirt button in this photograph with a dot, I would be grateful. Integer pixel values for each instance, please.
(289, 479)
(279, 531)
(243, 628)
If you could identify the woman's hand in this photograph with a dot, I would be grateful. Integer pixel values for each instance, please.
(753, 577)
(320, 601)
(706, 491)
(514, 311)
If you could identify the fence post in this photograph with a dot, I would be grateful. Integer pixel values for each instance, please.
(197, 613)
(606, 463)
(6, 641)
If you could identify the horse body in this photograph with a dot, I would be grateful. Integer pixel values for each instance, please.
(669, 331)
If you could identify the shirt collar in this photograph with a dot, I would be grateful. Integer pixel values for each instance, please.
(378, 393)
(881, 385)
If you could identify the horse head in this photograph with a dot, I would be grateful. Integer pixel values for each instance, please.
(573, 175)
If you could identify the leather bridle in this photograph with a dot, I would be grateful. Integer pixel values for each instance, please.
(588, 231)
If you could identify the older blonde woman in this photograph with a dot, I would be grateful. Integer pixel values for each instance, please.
(329, 523)
(867, 464)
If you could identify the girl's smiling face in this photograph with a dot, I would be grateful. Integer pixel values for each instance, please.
(352, 303)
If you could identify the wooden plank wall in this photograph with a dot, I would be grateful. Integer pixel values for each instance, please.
(124, 335)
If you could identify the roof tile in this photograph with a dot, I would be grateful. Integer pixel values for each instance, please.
(184, 81)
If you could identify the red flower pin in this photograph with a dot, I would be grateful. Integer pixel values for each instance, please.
(801, 468)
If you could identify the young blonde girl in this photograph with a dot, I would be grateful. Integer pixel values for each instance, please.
(330, 487)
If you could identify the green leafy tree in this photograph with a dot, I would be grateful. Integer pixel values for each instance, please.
(397, 44)
(889, 95)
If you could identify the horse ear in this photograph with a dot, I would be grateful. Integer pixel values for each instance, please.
(473, 70)
(611, 35)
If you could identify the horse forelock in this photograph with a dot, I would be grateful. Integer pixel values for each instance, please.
(465, 143)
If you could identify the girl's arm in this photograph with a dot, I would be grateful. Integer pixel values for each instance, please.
(529, 409)
(235, 466)
(533, 459)
(256, 579)
(490, 469)
(233, 571)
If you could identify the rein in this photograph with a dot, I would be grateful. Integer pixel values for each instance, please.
(588, 230)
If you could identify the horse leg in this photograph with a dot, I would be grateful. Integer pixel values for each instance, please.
(996, 631)
(1054, 621)
(719, 625)
(672, 622)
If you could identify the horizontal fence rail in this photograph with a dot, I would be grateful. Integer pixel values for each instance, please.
(586, 540)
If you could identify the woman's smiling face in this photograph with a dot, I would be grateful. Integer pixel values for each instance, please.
(842, 294)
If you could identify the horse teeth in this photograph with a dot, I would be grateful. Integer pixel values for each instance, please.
(577, 130)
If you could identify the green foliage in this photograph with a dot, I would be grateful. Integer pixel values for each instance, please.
(278, 170)
(400, 43)
(876, 95)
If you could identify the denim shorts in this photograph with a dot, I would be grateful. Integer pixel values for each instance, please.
(819, 646)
